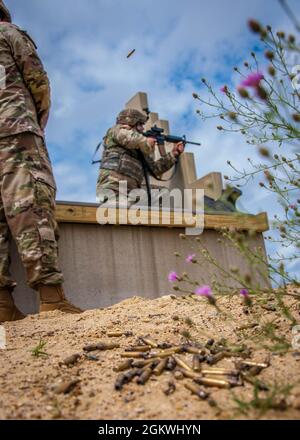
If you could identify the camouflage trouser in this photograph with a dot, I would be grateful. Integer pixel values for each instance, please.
(27, 210)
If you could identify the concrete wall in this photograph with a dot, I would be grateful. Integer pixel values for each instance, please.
(103, 265)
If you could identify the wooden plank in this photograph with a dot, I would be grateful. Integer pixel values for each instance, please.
(87, 214)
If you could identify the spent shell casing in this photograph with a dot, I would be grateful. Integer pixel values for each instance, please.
(125, 378)
(190, 374)
(233, 381)
(197, 391)
(100, 346)
(212, 360)
(148, 341)
(118, 334)
(124, 366)
(196, 362)
(71, 360)
(219, 372)
(165, 353)
(254, 364)
(145, 376)
(141, 363)
(193, 350)
(133, 354)
(212, 382)
(160, 367)
(182, 364)
(138, 348)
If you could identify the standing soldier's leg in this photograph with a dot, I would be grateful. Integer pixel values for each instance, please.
(28, 194)
(8, 310)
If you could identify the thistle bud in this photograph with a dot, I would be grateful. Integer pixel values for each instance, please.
(280, 34)
(269, 55)
(271, 70)
(264, 152)
(292, 39)
(243, 92)
(255, 26)
(296, 117)
(232, 116)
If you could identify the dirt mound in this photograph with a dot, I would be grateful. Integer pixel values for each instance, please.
(40, 386)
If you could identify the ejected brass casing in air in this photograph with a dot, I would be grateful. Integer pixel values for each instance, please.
(100, 346)
(145, 376)
(160, 367)
(197, 391)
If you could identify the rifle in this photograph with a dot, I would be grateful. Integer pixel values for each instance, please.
(158, 134)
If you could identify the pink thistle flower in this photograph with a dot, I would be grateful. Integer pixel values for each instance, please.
(244, 293)
(247, 300)
(252, 80)
(293, 206)
(224, 89)
(204, 291)
(207, 292)
(190, 258)
(173, 277)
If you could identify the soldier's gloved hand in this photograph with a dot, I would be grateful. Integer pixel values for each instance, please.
(151, 142)
(178, 149)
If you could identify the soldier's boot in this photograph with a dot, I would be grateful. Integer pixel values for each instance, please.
(53, 298)
(8, 309)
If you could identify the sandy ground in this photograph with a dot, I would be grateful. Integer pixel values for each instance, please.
(34, 387)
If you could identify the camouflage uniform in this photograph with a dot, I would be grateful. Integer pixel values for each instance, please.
(121, 162)
(27, 186)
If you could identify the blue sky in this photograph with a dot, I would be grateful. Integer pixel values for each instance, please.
(84, 43)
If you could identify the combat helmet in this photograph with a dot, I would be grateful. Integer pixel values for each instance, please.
(131, 117)
(5, 14)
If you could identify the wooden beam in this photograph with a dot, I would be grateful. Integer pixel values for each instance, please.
(67, 212)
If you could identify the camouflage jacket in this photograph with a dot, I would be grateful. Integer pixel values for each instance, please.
(122, 147)
(24, 85)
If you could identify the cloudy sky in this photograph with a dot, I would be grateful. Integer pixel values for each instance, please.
(84, 43)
